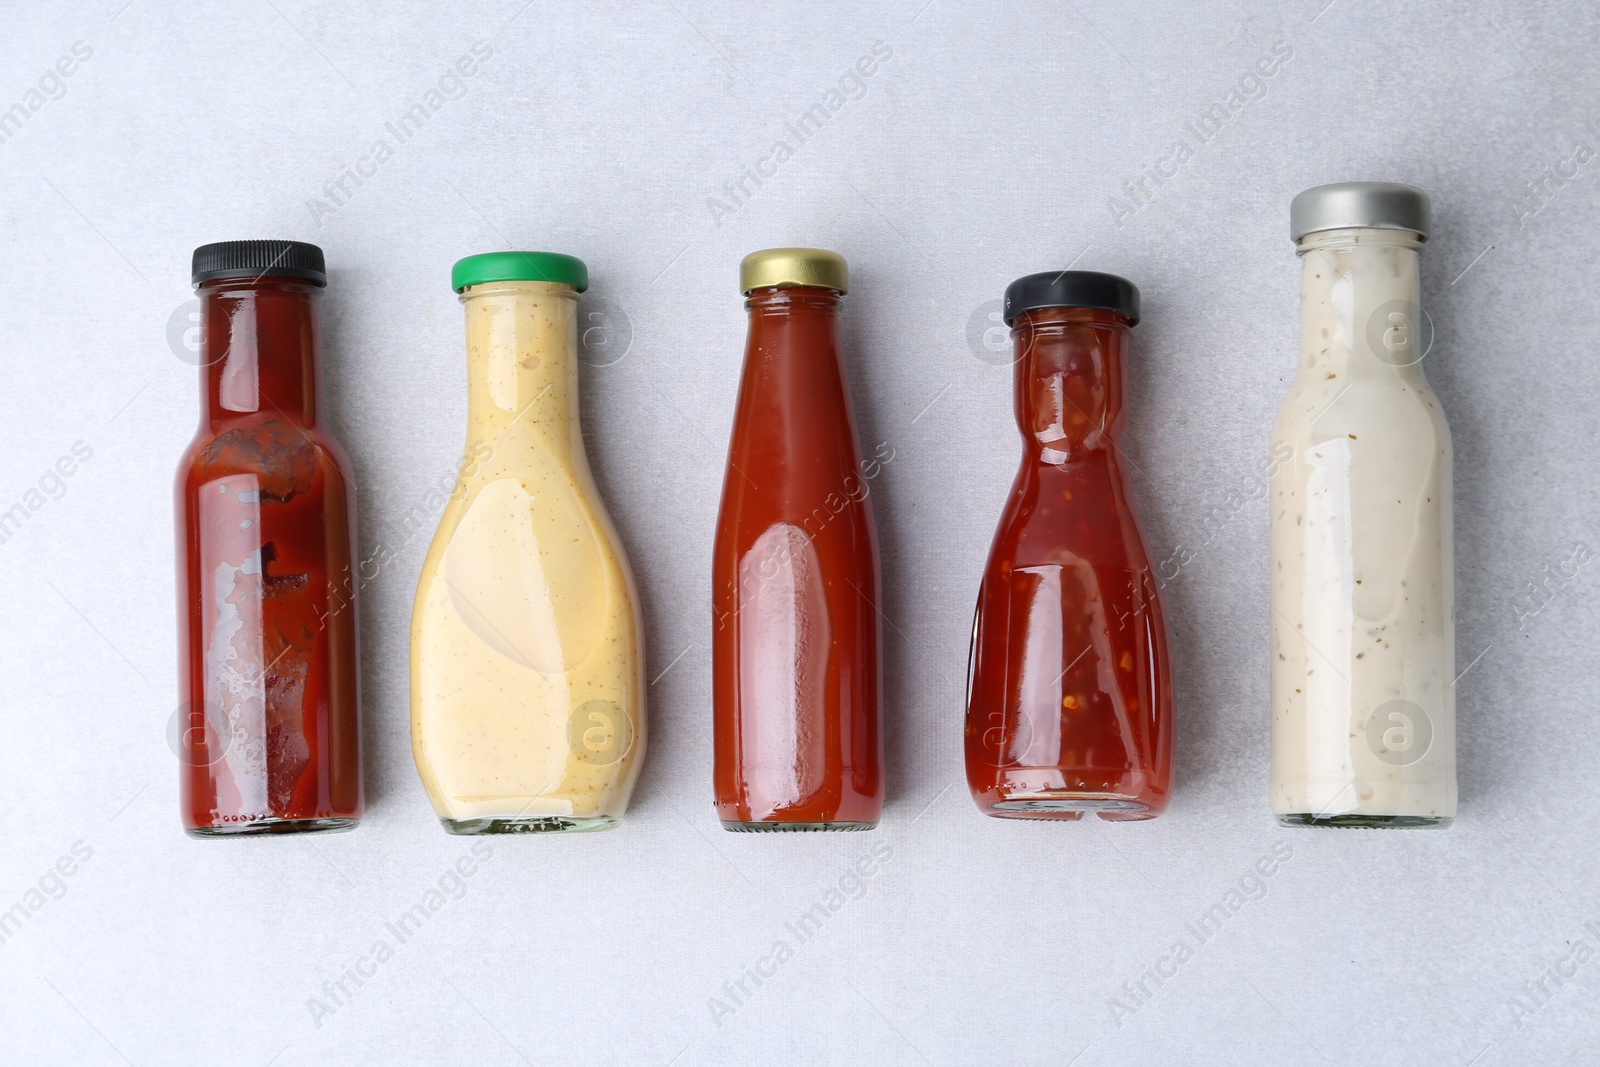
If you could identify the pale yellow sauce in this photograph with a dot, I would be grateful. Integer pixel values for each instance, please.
(527, 686)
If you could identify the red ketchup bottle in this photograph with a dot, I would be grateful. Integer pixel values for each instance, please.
(796, 674)
(270, 731)
(1069, 704)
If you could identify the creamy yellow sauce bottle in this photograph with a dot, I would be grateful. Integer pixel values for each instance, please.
(527, 668)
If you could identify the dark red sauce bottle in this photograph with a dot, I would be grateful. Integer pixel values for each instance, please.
(797, 682)
(270, 735)
(1069, 705)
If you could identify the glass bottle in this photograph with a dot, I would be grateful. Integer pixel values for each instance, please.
(795, 645)
(1069, 705)
(271, 731)
(1363, 634)
(527, 665)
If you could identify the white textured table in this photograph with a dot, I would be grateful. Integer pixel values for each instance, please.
(988, 144)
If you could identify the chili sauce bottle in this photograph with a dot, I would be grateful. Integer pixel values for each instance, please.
(1069, 706)
(1363, 599)
(527, 664)
(797, 678)
(270, 675)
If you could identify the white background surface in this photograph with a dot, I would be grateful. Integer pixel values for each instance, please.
(987, 147)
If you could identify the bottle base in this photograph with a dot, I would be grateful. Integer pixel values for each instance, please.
(1369, 822)
(530, 824)
(1069, 807)
(793, 827)
(262, 827)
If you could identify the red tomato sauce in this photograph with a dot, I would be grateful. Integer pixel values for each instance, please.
(270, 737)
(796, 642)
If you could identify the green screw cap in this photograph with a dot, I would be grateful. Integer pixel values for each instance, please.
(519, 267)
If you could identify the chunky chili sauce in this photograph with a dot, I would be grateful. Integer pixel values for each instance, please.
(1070, 706)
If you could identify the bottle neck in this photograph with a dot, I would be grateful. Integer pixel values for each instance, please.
(794, 334)
(1070, 380)
(522, 367)
(1360, 304)
(262, 350)
(792, 300)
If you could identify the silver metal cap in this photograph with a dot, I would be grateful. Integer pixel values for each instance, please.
(1375, 205)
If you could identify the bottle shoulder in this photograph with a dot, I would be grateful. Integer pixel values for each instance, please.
(282, 453)
(1321, 405)
(1080, 510)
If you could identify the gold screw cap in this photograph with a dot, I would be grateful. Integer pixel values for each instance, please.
(787, 267)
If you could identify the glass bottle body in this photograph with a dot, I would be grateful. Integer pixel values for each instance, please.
(270, 732)
(527, 686)
(796, 633)
(1363, 639)
(1070, 694)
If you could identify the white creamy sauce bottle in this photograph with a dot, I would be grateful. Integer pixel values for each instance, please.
(1363, 633)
